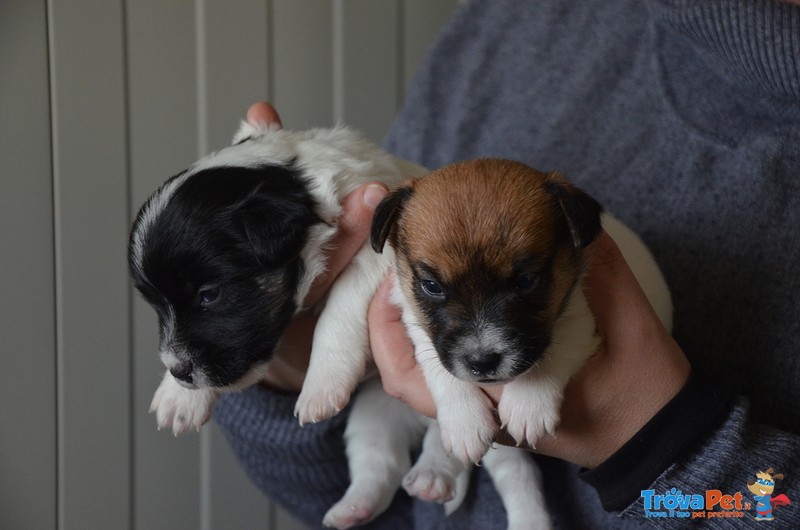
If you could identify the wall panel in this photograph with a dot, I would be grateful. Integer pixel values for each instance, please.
(422, 20)
(301, 62)
(233, 47)
(366, 64)
(27, 312)
(90, 205)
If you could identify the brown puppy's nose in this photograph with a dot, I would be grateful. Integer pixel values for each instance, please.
(483, 364)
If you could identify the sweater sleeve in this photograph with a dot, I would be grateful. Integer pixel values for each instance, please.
(700, 441)
(302, 468)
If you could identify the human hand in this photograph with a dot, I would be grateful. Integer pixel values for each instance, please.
(636, 371)
(286, 371)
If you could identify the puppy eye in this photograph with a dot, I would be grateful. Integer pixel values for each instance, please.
(432, 288)
(208, 295)
(527, 281)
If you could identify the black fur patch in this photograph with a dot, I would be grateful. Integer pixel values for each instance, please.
(239, 229)
(500, 301)
(386, 215)
(581, 211)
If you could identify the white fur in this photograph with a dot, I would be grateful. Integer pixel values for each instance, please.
(519, 484)
(379, 432)
(182, 408)
(465, 414)
(486, 337)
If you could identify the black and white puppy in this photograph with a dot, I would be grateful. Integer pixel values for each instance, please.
(226, 252)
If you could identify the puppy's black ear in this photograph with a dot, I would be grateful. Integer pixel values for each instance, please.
(581, 211)
(275, 227)
(386, 215)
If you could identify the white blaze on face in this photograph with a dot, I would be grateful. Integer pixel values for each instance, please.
(154, 207)
(171, 352)
(485, 338)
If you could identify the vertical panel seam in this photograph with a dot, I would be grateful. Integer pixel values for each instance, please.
(58, 475)
(400, 52)
(57, 279)
(269, 42)
(338, 61)
(201, 73)
(126, 95)
(201, 86)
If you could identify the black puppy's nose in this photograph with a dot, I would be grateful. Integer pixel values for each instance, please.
(483, 364)
(182, 372)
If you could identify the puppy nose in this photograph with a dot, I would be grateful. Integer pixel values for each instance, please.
(182, 371)
(483, 364)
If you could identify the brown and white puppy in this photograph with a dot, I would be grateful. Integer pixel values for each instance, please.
(489, 256)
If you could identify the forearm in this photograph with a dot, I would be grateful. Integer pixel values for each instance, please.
(703, 442)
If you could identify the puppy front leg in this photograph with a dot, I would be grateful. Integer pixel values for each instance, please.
(340, 348)
(519, 483)
(437, 476)
(465, 414)
(181, 408)
(379, 435)
(531, 404)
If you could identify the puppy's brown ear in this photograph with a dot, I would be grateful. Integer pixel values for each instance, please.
(386, 215)
(581, 211)
(779, 476)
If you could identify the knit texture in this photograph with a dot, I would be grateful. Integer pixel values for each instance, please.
(683, 119)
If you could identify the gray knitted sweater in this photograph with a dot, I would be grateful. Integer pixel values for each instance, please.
(683, 119)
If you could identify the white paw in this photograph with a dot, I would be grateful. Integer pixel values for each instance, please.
(529, 410)
(430, 484)
(318, 403)
(468, 429)
(350, 512)
(179, 408)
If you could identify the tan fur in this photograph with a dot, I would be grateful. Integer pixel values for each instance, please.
(498, 209)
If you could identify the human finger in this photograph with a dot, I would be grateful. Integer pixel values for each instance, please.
(354, 226)
(263, 113)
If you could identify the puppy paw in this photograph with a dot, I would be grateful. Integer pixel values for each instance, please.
(529, 410)
(467, 432)
(350, 512)
(430, 484)
(179, 408)
(320, 404)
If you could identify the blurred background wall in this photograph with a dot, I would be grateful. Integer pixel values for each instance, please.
(100, 102)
